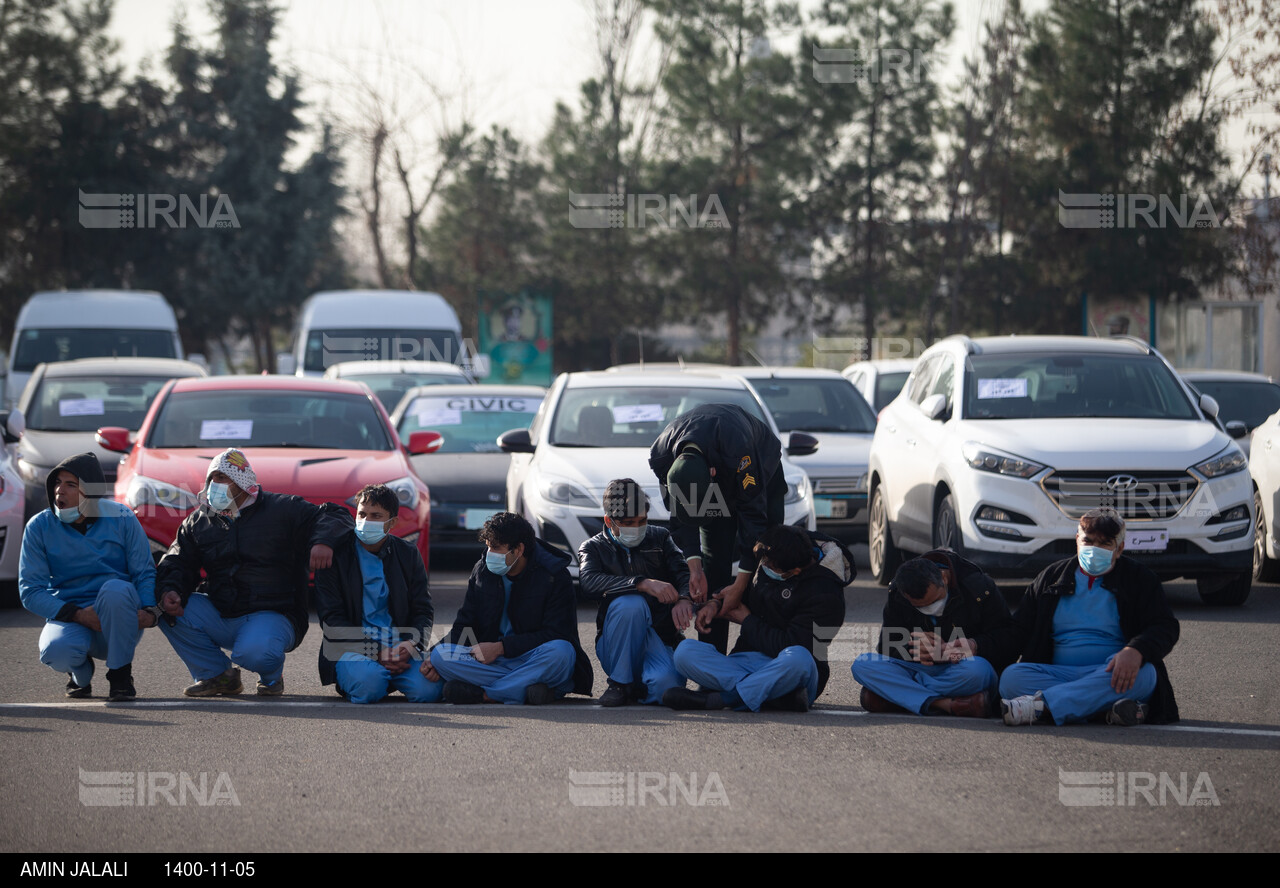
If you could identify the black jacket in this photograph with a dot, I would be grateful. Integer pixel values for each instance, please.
(805, 610)
(608, 570)
(745, 453)
(542, 609)
(257, 562)
(974, 609)
(340, 599)
(1145, 619)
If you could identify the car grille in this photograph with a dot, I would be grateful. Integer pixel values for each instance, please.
(1140, 496)
(837, 485)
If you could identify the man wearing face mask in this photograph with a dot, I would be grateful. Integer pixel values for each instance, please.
(375, 609)
(642, 581)
(946, 635)
(793, 606)
(1093, 631)
(236, 578)
(86, 567)
(515, 638)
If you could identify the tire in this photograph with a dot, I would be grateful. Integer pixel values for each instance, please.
(885, 556)
(1224, 590)
(1265, 570)
(946, 529)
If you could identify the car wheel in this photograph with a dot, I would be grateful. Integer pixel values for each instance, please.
(1265, 570)
(1224, 590)
(885, 556)
(946, 529)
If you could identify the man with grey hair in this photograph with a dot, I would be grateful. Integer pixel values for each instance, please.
(1094, 631)
(642, 581)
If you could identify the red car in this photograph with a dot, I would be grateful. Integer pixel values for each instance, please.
(320, 439)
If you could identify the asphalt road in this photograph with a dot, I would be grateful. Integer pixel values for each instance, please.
(310, 772)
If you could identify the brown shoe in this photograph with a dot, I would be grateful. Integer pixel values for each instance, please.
(224, 685)
(972, 706)
(271, 690)
(873, 702)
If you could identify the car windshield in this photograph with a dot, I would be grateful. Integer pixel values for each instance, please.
(262, 418)
(1248, 401)
(51, 346)
(83, 404)
(324, 348)
(390, 387)
(815, 405)
(1044, 385)
(888, 385)
(632, 416)
(469, 423)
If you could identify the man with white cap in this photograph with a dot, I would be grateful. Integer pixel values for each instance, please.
(255, 549)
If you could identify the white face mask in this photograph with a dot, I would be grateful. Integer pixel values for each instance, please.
(935, 609)
(629, 536)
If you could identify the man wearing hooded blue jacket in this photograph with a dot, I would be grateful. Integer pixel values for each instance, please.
(515, 638)
(86, 568)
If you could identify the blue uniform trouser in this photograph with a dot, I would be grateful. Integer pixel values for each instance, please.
(507, 678)
(366, 681)
(257, 641)
(754, 676)
(914, 686)
(67, 647)
(1074, 693)
(630, 651)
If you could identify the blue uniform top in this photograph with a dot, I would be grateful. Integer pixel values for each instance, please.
(1086, 625)
(377, 618)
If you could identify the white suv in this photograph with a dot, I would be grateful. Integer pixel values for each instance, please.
(996, 447)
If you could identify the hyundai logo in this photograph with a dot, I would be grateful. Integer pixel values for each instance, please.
(1121, 483)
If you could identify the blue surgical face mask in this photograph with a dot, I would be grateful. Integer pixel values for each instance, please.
(69, 515)
(1095, 560)
(497, 564)
(370, 532)
(771, 574)
(629, 536)
(220, 497)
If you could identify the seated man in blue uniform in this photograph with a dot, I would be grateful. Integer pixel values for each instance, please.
(947, 633)
(375, 609)
(515, 639)
(795, 598)
(1093, 631)
(642, 581)
(85, 567)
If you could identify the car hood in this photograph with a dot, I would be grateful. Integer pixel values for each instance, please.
(464, 477)
(316, 474)
(1100, 444)
(838, 454)
(47, 449)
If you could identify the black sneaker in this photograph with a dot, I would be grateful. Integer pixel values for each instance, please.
(796, 701)
(1127, 713)
(539, 694)
(615, 695)
(683, 698)
(462, 692)
(75, 691)
(121, 679)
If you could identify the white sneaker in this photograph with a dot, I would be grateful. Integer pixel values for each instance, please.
(1025, 710)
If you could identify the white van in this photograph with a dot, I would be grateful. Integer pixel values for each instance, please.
(71, 324)
(374, 325)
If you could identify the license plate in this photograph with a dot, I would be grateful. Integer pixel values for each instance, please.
(474, 519)
(826, 507)
(1146, 540)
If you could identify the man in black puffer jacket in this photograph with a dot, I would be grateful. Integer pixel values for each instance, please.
(793, 607)
(642, 581)
(254, 549)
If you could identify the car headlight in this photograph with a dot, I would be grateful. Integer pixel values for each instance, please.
(985, 459)
(28, 471)
(144, 491)
(557, 490)
(404, 489)
(797, 489)
(1230, 460)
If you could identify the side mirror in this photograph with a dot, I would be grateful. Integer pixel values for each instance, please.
(934, 406)
(425, 442)
(12, 425)
(114, 438)
(1209, 406)
(515, 441)
(800, 444)
(1237, 429)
